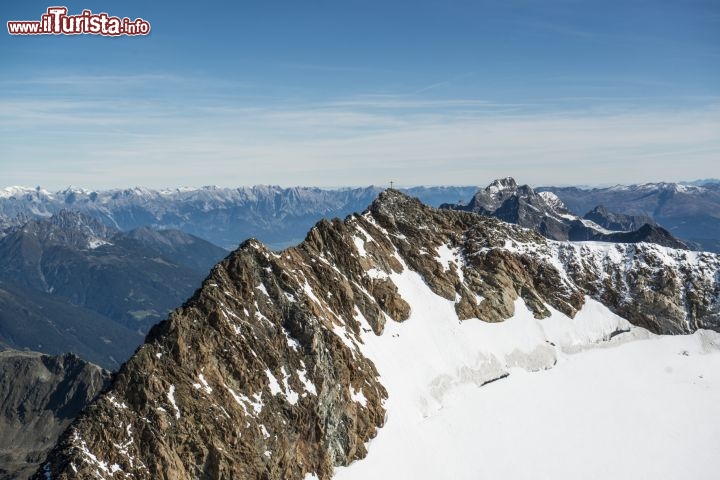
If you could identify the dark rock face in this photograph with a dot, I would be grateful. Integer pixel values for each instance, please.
(647, 233)
(617, 221)
(545, 213)
(40, 396)
(113, 284)
(256, 375)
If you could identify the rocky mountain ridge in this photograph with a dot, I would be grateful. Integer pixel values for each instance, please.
(269, 370)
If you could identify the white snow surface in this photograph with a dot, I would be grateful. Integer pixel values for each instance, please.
(635, 406)
(273, 383)
(309, 386)
(96, 243)
(171, 399)
(358, 396)
(262, 288)
(553, 200)
(204, 384)
(595, 226)
(447, 255)
(360, 245)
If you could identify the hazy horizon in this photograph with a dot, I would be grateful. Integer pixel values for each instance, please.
(59, 189)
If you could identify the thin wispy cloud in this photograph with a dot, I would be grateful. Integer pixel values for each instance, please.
(359, 140)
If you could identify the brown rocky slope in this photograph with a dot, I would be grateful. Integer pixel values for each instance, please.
(251, 379)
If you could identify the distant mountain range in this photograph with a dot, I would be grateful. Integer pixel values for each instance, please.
(223, 216)
(702, 182)
(280, 216)
(689, 212)
(548, 215)
(71, 283)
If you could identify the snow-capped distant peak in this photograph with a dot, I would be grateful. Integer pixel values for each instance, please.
(681, 188)
(76, 190)
(553, 201)
(20, 191)
(502, 185)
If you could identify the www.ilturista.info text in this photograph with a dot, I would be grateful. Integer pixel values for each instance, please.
(57, 22)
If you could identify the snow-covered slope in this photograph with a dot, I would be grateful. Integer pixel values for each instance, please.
(617, 412)
(597, 405)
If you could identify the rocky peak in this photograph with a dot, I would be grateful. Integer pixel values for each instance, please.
(506, 184)
(498, 194)
(268, 371)
(554, 201)
(521, 205)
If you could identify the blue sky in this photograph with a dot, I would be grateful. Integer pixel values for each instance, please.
(335, 93)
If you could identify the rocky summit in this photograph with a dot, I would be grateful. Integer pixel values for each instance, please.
(270, 370)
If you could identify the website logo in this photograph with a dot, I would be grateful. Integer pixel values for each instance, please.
(57, 22)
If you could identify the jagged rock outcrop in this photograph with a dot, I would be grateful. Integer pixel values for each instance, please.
(40, 395)
(545, 213)
(261, 374)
